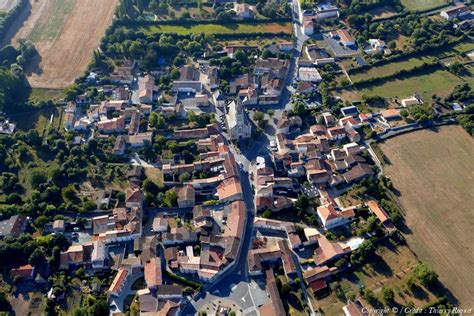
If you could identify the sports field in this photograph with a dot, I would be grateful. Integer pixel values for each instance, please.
(434, 173)
(65, 33)
(220, 29)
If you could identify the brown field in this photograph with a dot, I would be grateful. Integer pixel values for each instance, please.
(65, 33)
(434, 173)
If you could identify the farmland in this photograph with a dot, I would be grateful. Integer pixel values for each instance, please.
(419, 5)
(440, 82)
(233, 28)
(65, 33)
(434, 173)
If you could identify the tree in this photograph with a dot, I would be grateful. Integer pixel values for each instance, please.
(69, 193)
(299, 108)
(171, 198)
(404, 113)
(4, 303)
(387, 295)
(425, 274)
(267, 213)
(37, 257)
(185, 176)
(37, 177)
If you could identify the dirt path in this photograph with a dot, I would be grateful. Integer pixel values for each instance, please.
(66, 44)
(434, 172)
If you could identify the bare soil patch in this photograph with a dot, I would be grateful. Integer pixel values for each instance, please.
(434, 173)
(65, 33)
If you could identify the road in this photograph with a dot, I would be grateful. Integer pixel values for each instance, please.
(234, 284)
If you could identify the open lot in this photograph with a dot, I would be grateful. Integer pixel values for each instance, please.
(391, 266)
(418, 5)
(65, 33)
(222, 29)
(434, 173)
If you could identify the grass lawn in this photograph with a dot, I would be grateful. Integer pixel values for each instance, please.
(37, 119)
(391, 68)
(222, 29)
(39, 94)
(51, 26)
(440, 82)
(417, 5)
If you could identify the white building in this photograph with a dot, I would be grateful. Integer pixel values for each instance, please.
(237, 121)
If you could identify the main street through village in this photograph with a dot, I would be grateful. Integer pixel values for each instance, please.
(234, 287)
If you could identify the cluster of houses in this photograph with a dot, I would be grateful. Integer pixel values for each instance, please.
(200, 249)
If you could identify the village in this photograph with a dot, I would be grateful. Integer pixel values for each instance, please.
(245, 190)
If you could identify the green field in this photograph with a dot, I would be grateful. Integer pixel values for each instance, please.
(440, 82)
(391, 68)
(50, 27)
(465, 47)
(418, 5)
(219, 29)
(37, 119)
(39, 94)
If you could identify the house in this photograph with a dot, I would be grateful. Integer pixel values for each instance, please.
(358, 172)
(114, 125)
(14, 226)
(336, 133)
(345, 37)
(273, 307)
(76, 255)
(147, 89)
(58, 226)
(329, 251)
(133, 197)
(309, 74)
(118, 283)
(332, 217)
(456, 12)
(326, 11)
(160, 224)
(243, 10)
(238, 122)
(286, 46)
(390, 115)
(231, 49)
(351, 110)
(24, 272)
(305, 87)
(375, 46)
(153, 273)
(380, 213)
(355, 309)
(414, 100)
(229, 190)
(98, 255)
(318, 55)
(308, 27)
(186, 196)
